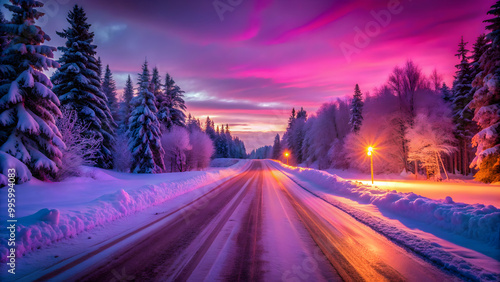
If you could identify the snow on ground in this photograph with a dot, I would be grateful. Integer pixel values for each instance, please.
(461, 189)
(48, 212)
(420, 224)
(476, 221)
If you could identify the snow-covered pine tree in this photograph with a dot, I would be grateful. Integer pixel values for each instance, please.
(160, 98)
(172, 106)
(288, 133)
(230, 143)
(277, 147)
(78, 85)
(6, 71)
(296, 135)
(156, 81)
(291, 119)
(193, 124)
(209, 129)
(29, 139)
(99, 68)
(472, 128)
(356, 117)
(144, 129)
(221, 143)
(486, 104)
(462, 116)
(239, 149)
(478, 49)
(4, 39)
(128, 94)
(109, 89)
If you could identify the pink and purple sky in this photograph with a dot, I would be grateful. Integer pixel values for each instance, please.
(250, 62)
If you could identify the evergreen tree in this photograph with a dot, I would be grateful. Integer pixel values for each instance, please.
(193, 124)
(287, 137)
(109, 89)
(221, 146)
(4, 38)
(78, 85)
(209, 129)
(99, 68)
(156, 81)
(29, 138)
(277, 147)
(171, 105)
(291, 119)
(462, 116)
(128, 95)
(228, 133)
(229, 143)
(480, 46)
(356, 117)
(302, 114)
(486, 104)
(6, 71)
(144, 129)
(239, 151)
(295, 133)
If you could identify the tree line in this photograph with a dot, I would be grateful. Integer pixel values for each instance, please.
(51, 126)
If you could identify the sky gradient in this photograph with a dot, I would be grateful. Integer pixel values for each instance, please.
(247, 63)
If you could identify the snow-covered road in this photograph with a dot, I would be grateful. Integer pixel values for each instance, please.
(257, 226)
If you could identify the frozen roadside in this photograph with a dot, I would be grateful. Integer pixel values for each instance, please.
(449, 216)
(80, 204)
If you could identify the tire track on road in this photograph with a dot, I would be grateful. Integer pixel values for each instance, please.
(193, 262)
(248, 265)
(351, 266)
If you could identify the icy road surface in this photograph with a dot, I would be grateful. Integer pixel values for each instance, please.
(256, 226)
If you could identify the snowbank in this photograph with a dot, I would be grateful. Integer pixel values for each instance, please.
(476, 221)
(223, 162)
(50, 225)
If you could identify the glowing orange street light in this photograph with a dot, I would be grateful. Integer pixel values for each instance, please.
(370, 153)
(286, 155)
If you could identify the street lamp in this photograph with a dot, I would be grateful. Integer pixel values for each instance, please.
(286, 155)
(370, 153)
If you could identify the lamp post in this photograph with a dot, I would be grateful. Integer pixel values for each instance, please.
(370, 153)
(286, 155)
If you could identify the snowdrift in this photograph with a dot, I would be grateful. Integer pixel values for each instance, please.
(50, 225)
(476, 221)
(223, 162)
